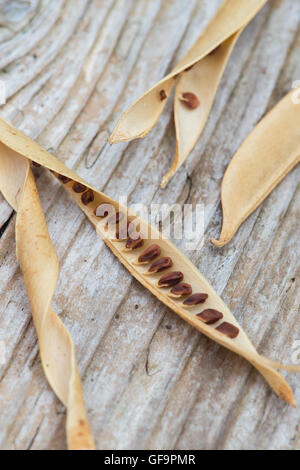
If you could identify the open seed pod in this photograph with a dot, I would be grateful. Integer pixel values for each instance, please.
(195, 301)
(199, 75)
(267, 155)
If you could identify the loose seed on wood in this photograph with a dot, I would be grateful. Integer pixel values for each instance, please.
(228, 329)
(64, 179)
(190, 100)
(195, 299)
(170, 279)
(78, 187)
(160, 265)
(87, 197)
(180, 290)
(210, 316)
(149, 254)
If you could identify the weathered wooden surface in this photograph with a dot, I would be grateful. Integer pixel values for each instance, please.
(150, 381)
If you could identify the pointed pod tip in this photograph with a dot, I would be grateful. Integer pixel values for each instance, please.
(219, 243)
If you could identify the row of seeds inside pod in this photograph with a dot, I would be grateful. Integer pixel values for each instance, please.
(172, 280)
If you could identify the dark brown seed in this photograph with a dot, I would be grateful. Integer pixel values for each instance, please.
(103, 210)
(78, 187)
(170, 279)
(37, 165)
(210, 316)
(64, 179)
(160, 265)
(150, 254)
(115, 219)
(87, 197)
(163, 95)
(134, 244)
(181, 289)
(195, 299)
(190, 100)
(228, 330)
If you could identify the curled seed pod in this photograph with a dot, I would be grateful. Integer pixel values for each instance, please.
(149, 255)
(200, 73)
(133, 244)
(22, 146)
(78, 187)
(170, 279)
(64, 179)
(180, 290)
(87, 197)
(195, 299)
(190, 100)
(103, 210)
(228, 329)
(210, 316)
(160, 265)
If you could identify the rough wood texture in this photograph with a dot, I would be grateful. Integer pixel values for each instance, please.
(150, 381)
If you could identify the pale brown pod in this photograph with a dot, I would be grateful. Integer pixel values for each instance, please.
(23, 148)
(199, 73)
(267, 155)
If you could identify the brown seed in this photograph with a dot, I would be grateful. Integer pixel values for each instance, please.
(170, 279)
(122, 231)
(37, 165)
(78, 187)
(195, 299)
(228, 329)
(134, 244)
(103, 210)
(190, 100)
(115, 218)
(64, 179)
(210, 316)
(163, 95)
(180, 290)
(87, 197)
(150, 254)
(160, 265)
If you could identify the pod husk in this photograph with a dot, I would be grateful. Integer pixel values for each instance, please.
(19, 146)
(208, 64)
(268, 154)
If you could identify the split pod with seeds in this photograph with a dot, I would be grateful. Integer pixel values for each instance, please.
(155, 262)
(198, 77)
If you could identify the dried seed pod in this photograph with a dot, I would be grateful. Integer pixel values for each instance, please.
(64, 179)
(190, 100)
(195, 299)
(133, 244)
(180, 290)
(160, 265)
(149, 255)
(205, 63)
(268, 154)
(228, 329)
(210, 316)
(23, 147)
(78, 187)
(87, 197)
(170, 279)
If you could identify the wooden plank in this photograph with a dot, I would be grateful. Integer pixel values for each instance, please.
(150, 380)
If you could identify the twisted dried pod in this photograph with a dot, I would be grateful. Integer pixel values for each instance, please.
(267, 155)
(199, 75)
(16, 148)
(39, 265)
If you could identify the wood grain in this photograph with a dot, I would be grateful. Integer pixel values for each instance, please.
(150, 381)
